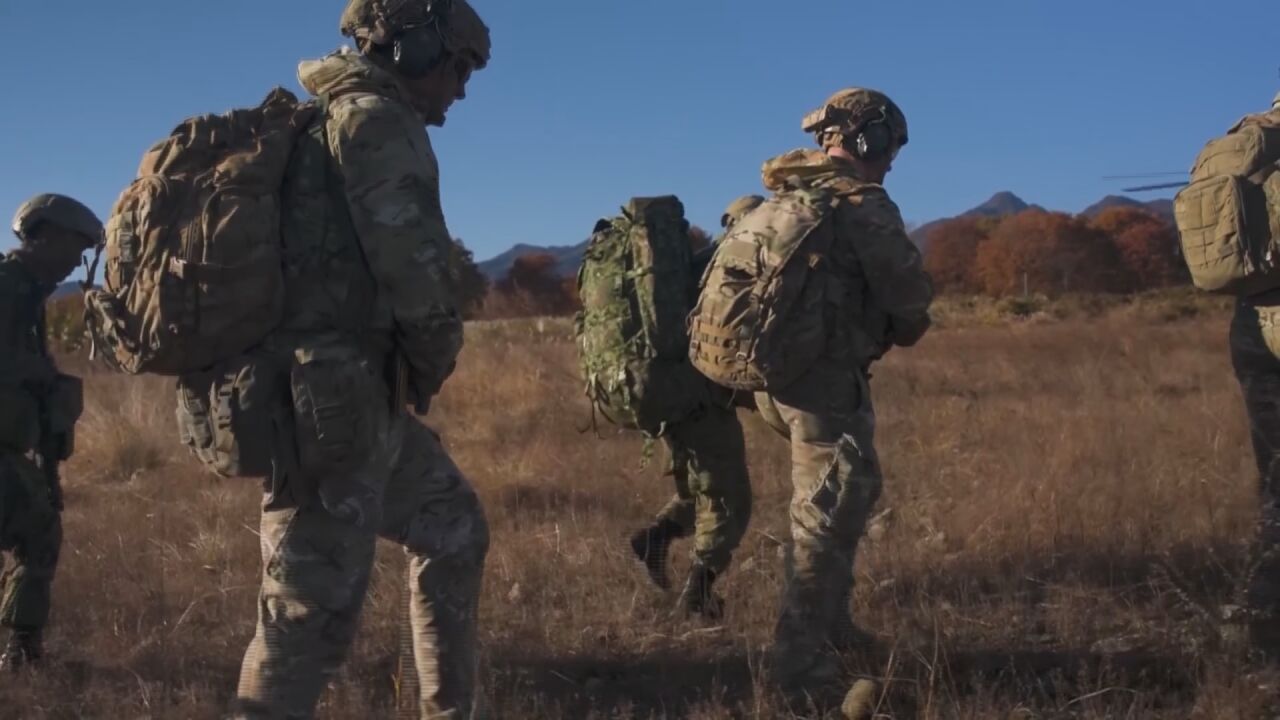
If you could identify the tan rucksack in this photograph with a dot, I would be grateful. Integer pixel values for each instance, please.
(193, 258)
(1229, 216)
(759, 320)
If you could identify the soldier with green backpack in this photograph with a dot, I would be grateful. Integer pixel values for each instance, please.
(801, 297)
(1229, 224)
(637, 285)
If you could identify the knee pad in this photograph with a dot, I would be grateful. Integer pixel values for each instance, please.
(459, 529)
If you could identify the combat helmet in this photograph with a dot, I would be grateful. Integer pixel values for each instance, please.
(381, 22)
(59, 211)
(738, 208)
(860, 117)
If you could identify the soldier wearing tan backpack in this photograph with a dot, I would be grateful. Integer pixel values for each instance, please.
(801, 297)
(1229, 224)
(289, 264)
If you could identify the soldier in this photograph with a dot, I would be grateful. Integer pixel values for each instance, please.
(827, 413)
(38, 410)
(1255, 356)
(371, 323)
(713, 491)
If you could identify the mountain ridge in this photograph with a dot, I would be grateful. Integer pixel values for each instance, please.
(1000, 204)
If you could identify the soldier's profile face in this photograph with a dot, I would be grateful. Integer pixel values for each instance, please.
(443, 86)
(58, 249)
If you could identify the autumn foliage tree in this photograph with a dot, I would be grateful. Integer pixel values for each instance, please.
(533, 286)
(699, 238)
(1050, 253)
(952, 252)
(1148, 246)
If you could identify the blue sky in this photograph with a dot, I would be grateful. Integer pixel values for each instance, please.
(588, 102)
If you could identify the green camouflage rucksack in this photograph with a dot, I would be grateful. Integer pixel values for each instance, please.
(193, 270)
(636, 287)
(1229, 216)
(759, 320)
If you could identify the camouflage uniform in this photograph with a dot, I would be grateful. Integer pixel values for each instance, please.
(38, 410)
(713, 491)
(369, 312)
(712, 501)
(30, 519)
(1255, 355)
(827, 414)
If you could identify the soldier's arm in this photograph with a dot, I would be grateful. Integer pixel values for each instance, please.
(894, 268)
(393, 189)
(10, 332)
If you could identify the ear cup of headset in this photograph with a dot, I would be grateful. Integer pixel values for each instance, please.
(874, 141)
(417, 51)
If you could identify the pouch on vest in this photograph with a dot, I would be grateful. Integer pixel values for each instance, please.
(236, 417)
(336, 393)
(64, 405)
(19, 419)
(1229, 216)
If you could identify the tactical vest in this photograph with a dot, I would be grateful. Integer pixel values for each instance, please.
(328, 285)
(247, 416)
(24, 321)
(28, 372)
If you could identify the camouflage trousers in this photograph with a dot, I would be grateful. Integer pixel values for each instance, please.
(713, 491)
(828, 418)
(1255, 355)
(318, 541)
(31, 530)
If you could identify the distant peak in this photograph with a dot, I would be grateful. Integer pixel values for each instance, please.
(1002, 203)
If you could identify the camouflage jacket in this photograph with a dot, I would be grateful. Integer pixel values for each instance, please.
(888, 292)
(27, 370)
(24, 354)
(386, 220)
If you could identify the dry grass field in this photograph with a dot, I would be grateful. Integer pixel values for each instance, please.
(1066, 499)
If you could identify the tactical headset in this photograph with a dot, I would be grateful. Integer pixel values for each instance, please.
(873, 139)
(417, 49)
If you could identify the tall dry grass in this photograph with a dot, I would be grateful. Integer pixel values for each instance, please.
(1063, 498)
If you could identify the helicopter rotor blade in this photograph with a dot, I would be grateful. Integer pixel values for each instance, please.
(1151, 188)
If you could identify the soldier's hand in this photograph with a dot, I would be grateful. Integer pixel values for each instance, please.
(418, 400)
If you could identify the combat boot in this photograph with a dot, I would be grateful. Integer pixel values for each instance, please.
(651, 546)
(24, 648)
(697, 598)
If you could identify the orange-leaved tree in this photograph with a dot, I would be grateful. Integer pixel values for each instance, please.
(1147, 244)
(1050, 253)
(699, 238)
(951, 250)
(533, 286)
